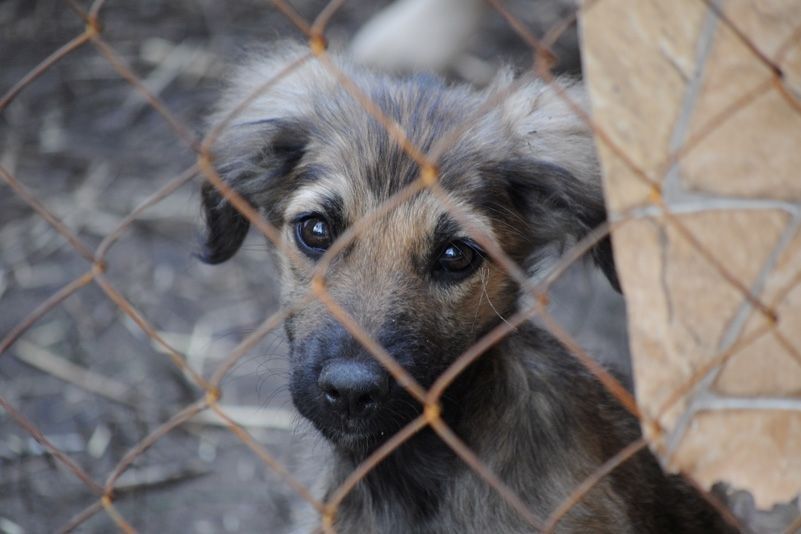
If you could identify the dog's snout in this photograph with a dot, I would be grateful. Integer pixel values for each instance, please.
(352, 388)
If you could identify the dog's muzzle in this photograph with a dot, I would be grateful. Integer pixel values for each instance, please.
(346, 393)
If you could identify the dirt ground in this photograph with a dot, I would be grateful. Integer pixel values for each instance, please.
(91, 149)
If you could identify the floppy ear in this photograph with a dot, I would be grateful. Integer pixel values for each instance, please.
(258, 163)
(557, 179)
(558, 207)
(226, 228)
(262, 144)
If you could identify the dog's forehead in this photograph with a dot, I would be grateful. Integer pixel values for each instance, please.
(403, 221)
(382, 147)
(355, 162)
(347, 199)
(360, 170)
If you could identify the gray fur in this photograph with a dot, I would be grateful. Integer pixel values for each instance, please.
(525, 173)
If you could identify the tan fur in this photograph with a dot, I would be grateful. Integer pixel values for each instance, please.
(523, 174)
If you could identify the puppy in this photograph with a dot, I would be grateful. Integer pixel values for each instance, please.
(309, 157)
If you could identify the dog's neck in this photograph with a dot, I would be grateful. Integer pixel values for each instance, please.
(411, 477)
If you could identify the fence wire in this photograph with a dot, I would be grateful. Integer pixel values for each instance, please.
(208, 392)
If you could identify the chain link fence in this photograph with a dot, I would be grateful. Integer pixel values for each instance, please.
(106, 491)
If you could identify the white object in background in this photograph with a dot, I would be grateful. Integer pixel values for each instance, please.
(418, 34)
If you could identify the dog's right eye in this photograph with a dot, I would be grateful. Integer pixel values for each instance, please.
(313, 235)
(457, 260)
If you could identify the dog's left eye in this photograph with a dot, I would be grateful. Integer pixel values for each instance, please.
(457, 261)
(313, 235)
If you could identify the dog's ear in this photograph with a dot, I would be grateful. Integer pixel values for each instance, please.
(558, 207)
(264, 139)
(258, 162)
(556, 177)
(226, 228)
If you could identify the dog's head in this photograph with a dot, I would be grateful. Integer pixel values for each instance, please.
(313, 161)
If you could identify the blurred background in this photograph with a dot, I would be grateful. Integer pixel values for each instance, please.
(91, 149)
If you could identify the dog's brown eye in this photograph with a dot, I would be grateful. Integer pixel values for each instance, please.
(313, 235)
(457, 261)
(456, 258)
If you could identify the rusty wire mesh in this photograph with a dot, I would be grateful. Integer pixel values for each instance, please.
(207, 388)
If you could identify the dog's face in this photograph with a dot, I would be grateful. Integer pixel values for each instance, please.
(415, 279)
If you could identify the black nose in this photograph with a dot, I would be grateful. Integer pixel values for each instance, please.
(353, 388)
